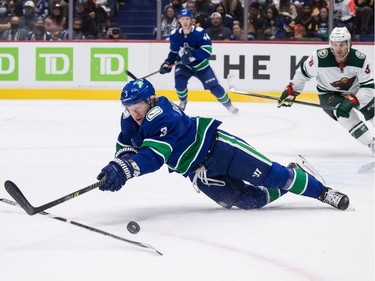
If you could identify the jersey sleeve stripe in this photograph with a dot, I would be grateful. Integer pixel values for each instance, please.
(161, 148)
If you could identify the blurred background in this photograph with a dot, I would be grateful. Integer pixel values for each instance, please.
(241, 20)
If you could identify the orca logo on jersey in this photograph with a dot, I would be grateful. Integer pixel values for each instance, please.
(155, 111)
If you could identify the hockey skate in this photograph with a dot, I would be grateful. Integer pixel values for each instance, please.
(331, 197)
(232, 109)
(182, 104)
(334, 198)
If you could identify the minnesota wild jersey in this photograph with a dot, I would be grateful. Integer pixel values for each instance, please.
(168, 136)
(354, 76)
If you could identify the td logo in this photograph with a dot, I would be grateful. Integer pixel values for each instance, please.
(8, 64)
(109, 64)
(54, 64)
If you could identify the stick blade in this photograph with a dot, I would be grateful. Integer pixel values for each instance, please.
(16, 193)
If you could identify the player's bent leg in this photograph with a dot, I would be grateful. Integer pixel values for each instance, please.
(358, 129)
(354, 125)
(298, 181)
(210, 82)
(223, 97)
(368, 111)
(181, 80)
(235, 193)
(293, 180)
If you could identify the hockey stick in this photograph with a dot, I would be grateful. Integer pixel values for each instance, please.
(131, 74)
(16, 193)
(233, 89)
(148, 75)
(10, 202)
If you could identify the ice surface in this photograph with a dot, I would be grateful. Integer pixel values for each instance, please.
(52, 148)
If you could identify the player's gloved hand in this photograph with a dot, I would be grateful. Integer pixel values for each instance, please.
(126, 152)
(187, 56)
(116, 173)
(343, 110)
(165, 68)
(288, 96)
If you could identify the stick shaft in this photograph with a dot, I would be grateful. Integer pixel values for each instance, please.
(148, 75)
(274, 98)
(85, 226)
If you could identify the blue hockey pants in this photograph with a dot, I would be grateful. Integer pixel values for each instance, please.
(238, 175)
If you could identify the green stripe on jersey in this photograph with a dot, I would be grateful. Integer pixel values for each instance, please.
(243, 146)
(161, 148)
(201, 66)
(207, 48)
(191, 153)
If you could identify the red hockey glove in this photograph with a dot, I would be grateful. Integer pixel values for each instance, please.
(288, 96)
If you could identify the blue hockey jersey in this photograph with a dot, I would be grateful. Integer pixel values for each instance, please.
(167, 135)
(199, 43)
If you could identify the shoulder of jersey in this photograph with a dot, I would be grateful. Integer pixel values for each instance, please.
(359, 54)
(153, 113)
(161, 110)
(199, 29)
(323, 53)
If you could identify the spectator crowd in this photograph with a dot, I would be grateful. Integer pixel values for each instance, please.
(223, 20)
(274, 19)
(48, 20)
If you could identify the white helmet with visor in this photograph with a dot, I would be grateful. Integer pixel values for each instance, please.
(340, 34)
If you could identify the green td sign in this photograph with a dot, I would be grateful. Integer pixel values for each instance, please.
(8, 64)
(54, 64)
(108, 64)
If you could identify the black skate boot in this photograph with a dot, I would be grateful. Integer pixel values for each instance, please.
(334, 198)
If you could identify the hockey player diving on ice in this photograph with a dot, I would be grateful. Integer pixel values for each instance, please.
(155, 131)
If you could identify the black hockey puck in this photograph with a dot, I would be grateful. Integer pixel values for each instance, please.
(133, 227)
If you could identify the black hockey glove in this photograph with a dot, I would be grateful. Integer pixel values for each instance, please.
(288, 96)
(165, 68)
(344, 108)
(116, 173)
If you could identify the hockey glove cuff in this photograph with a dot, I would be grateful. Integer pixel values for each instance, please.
(126, 152)
(116, 173)
(344, 108)
(288, 96)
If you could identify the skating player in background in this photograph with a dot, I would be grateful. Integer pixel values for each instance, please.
(345, 80)
(191, 47)
(155, 131)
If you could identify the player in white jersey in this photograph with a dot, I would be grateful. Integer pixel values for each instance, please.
(345, 82)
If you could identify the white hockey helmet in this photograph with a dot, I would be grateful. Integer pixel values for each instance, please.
(340, 34)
